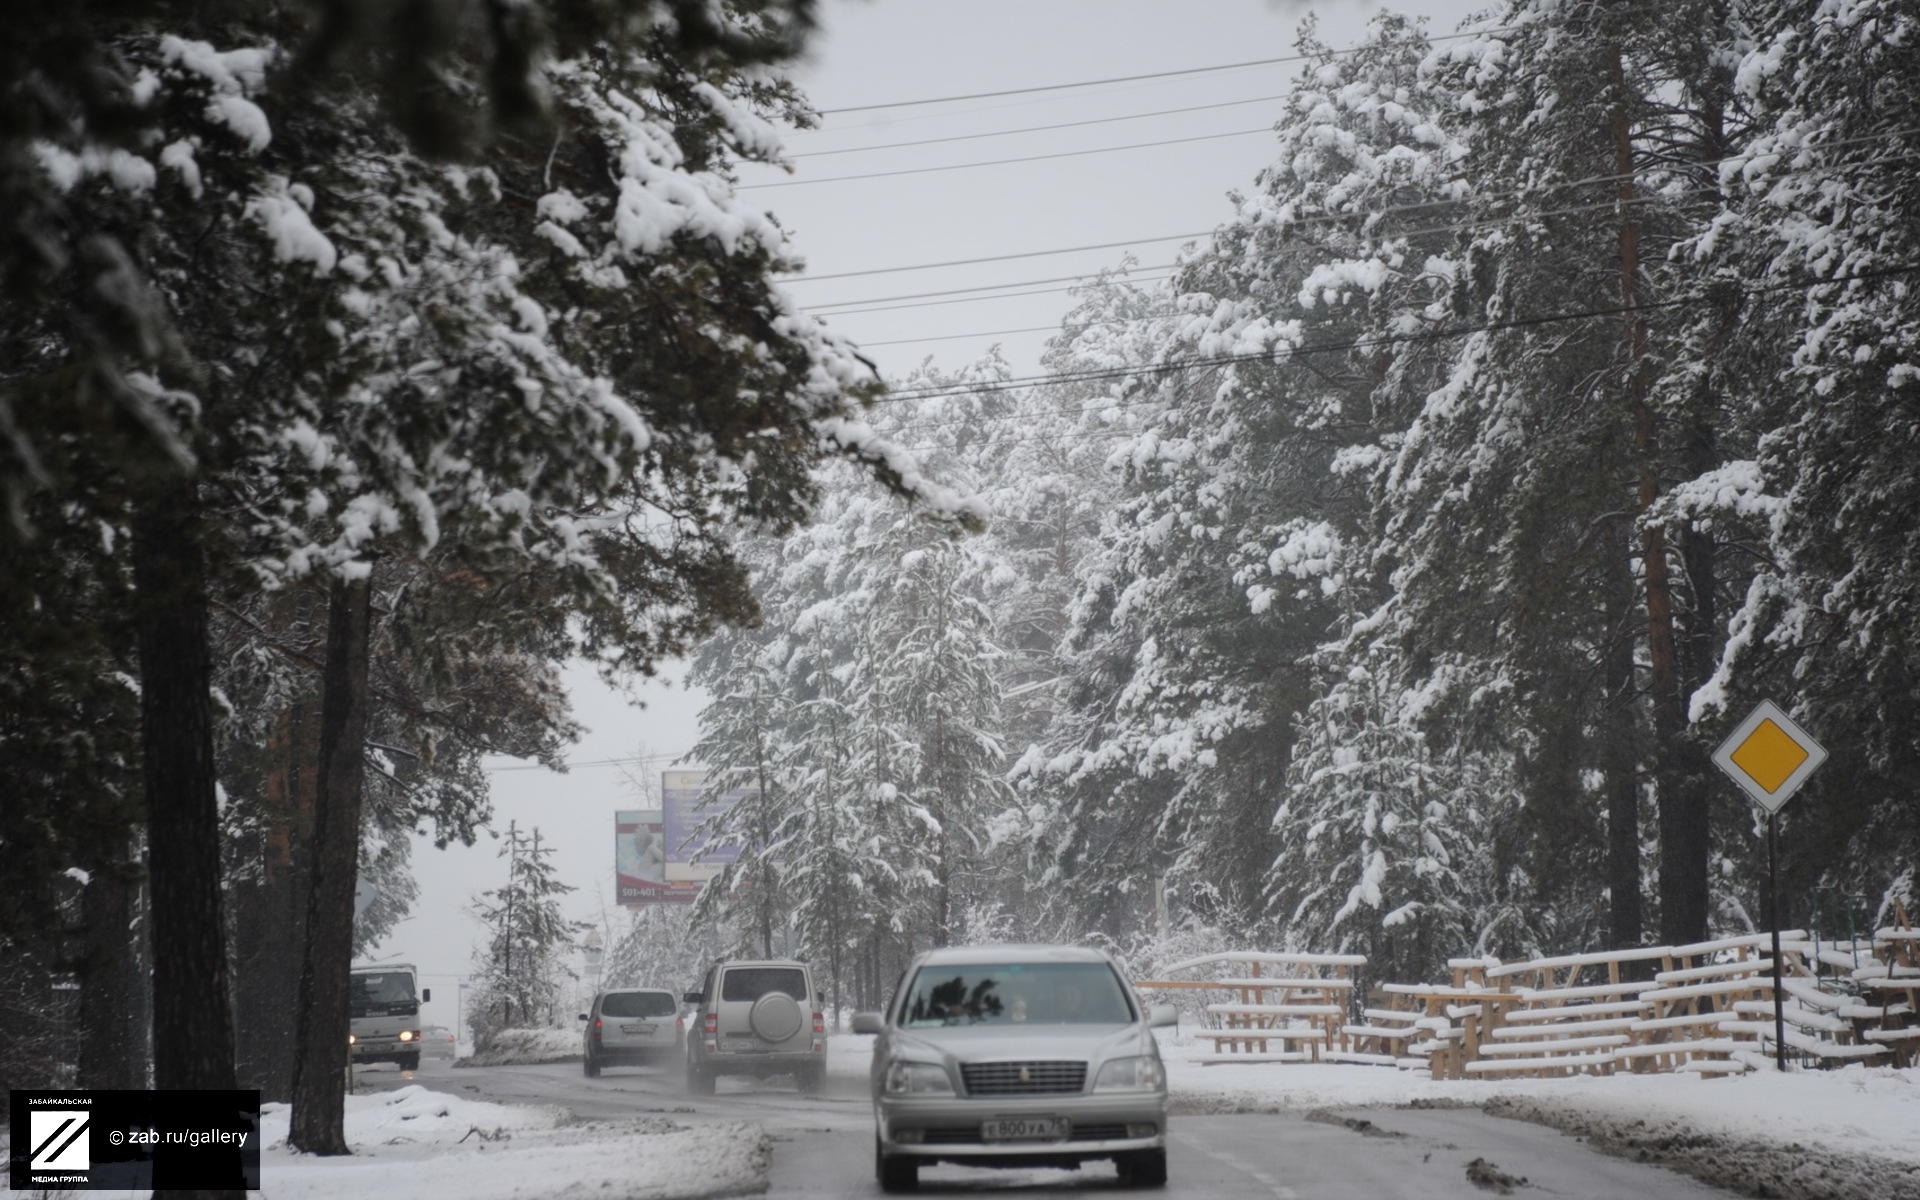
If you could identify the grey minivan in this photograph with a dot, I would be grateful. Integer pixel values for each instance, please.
(1004, 1056)
(631, 1027)
(760, 1017)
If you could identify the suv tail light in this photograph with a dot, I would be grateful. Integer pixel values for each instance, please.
(819, 1022)
(712, 1023)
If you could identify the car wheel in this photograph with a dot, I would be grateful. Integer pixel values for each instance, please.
(1143, 1168)
(592, 1067)
(896, 1172)
(409, 1062)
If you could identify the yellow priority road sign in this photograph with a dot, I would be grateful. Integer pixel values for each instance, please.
(1769, 756)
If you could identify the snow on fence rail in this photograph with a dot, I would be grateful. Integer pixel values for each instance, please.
(1704, 1008)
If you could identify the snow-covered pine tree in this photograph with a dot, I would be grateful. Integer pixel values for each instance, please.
(1816, 251)
(1383, 842)
(519, 969)
(1506, 514)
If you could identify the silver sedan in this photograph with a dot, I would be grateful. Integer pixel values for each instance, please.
(1001, 1056)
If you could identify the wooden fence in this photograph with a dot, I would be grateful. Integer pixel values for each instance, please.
(1705, 1008)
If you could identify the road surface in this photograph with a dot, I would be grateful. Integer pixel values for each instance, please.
(823, 1144)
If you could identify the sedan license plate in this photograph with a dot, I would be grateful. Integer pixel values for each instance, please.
(644, 1028)
(1024, 1129)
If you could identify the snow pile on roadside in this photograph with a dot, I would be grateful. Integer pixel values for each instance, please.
(414, 1139)
(417, 1115)
(526, 1046)
(1846, 1134)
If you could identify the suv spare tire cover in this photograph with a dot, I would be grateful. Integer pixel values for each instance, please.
(775, 1017)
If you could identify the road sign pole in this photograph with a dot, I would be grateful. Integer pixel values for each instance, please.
(1769, 756)
(1773, 904)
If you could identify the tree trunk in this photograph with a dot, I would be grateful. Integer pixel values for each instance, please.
(192, 1013)
(113, 1048)
(1683, 810)
(192, 1005)
(1626, 919)
(320, 1069)
(270, 928)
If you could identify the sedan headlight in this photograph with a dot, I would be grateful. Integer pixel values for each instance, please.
(1139, 1074)
(918, 1079)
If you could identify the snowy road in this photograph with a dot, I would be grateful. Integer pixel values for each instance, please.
(823, 1144)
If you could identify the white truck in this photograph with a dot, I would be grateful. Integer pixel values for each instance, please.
(384, 1010)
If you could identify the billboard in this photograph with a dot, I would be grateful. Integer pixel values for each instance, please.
(681, 793)
(639, 861)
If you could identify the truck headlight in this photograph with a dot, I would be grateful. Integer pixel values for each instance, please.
(918, 1079)
(1142, 1073)
(406, 1035)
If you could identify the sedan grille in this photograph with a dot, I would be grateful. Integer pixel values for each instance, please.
(1023, 1078)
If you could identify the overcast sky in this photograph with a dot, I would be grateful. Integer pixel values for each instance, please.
(879, 53)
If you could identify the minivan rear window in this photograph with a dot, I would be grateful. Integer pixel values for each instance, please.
(636, 1004)
(751, 983)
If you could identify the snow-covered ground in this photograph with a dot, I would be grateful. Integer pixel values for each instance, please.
(527, 1046)
(1852, 1110)
(1853, 1132)
(414, 1141)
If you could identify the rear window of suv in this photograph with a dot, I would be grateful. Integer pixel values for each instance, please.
(636, 1004)
(751, 983)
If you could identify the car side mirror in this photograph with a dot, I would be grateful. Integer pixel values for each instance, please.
(426, 994)
(690, 998)
(1162, 1015)
(585, 1017)
(868, 1022)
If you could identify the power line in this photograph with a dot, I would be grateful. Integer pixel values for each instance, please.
(1001, 162)
(1374, 214)
(1327, 218)
(968, 262)
(821, 312)
(1060, 87)
(1057, 87)
(1173, 366)
(985, 287)
(1056, 328)
(969, 137)
(635, 760)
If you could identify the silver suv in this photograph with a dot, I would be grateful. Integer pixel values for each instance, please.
(757, 1018)
(631, 1027)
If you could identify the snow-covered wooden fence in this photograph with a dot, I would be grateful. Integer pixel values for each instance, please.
(1705, 1008)
(1298, 1002)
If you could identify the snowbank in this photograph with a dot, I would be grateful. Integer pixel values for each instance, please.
(526, 1046)
(414, 1141)
(1845, 1134)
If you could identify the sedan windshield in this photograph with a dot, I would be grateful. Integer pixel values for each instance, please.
(1016, 994)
